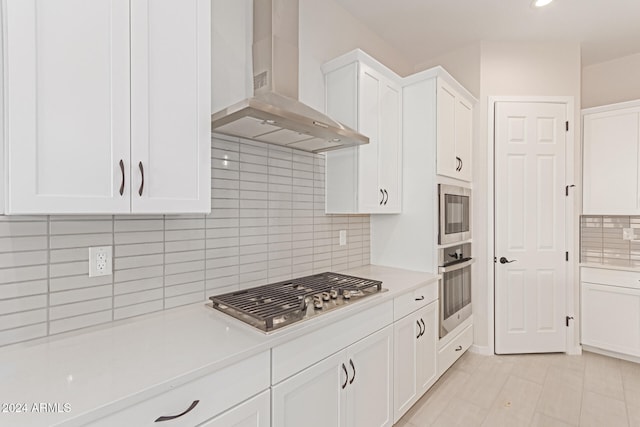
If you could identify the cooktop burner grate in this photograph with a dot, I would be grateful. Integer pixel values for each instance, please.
(278, 304)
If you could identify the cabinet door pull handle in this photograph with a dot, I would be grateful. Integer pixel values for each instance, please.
(419, 329)
(354, 371)
(459, 348)
(387, 197)
(142, 175)
(382, 199)
(421, 298)
(122, 171)
(346, 376)
(459, 162)
(173, 417)
(424, 327)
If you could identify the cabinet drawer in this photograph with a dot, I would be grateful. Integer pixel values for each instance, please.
(448, 354)
(215, 392)
(412, 301)
(294, 356)
(602, 276)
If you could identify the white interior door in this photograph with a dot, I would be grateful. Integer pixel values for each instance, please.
(530, 282)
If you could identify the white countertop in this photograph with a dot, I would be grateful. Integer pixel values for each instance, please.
(103, 370)
(608, 267)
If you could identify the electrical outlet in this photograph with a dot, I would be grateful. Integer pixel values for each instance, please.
(343, 237)
(100, 261)
(628, 234)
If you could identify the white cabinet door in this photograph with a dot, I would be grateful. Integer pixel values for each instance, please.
(370, 389)
(390, 150)
(406, 333)
(415, 363)
(464, 138)
(446, 131)
(369, 191)
(427, 368)
(255, 412)
(454, 133)
(170, 105)
(316, 397)
(67, 105)
(611, 318)
(610, 168)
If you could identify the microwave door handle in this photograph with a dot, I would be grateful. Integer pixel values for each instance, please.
(459, 266)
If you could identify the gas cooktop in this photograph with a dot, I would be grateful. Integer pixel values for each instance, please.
(270, 307)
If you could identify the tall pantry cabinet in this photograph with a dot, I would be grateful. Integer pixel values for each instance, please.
(107, 106)
(437, 126)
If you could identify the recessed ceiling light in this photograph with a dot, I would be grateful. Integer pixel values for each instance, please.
(540, 3)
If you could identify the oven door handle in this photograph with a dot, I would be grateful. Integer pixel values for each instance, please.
(455, 267)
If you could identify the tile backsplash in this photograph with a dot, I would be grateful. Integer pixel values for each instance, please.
(601, 240)
(267, 224)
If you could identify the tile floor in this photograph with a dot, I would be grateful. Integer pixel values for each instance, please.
(532, 390)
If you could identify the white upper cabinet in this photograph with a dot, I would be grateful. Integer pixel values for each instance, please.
(610, 163)
(94, 89)
(454, 133)
(171, 105)
(364, 95)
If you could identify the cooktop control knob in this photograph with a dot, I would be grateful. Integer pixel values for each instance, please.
(346, 294)
(333, 293)
(317, 301)
(326, 296)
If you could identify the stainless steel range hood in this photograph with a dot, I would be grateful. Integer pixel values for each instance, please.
(274, 115)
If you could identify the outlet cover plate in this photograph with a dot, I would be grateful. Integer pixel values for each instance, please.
(100, 261)
(343, 237)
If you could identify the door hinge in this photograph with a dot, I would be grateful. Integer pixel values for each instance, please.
(566, 189)
(566, 256)
(567, 320)
(566, 126)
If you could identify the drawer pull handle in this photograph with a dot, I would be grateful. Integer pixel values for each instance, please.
(459, 348)
(346, 376)
(424, 327)
(354, 371)
(420, 299)
(173, 417)
(419, 328)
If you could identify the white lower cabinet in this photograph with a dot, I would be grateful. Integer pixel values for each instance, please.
(201, 399)
(451, 351)
(255, 412)
(415, 338)
(611, 310)
(353, 387)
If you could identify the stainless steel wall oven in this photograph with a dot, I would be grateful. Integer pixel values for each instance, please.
(455, 286)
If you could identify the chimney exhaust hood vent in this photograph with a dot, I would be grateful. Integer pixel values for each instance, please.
(274, 115)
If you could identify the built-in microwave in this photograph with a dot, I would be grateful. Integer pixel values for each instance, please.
(455, 214)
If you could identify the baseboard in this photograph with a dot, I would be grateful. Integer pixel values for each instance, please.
(482, 350)
(617, 355)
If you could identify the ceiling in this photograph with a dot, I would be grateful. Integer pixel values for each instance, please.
(424, 29)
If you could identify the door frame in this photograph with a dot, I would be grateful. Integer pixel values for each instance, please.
(572, 208)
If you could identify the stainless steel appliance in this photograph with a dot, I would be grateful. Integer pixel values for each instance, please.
(455, 286)
(270, 307)
(274, 115)
(455, 214)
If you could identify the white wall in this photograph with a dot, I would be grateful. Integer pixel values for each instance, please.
(612, 81)
(327, 31)
(515, 69)
(463, 64)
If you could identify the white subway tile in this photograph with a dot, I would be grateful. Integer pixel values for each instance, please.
(79, 322)
(79, 308)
